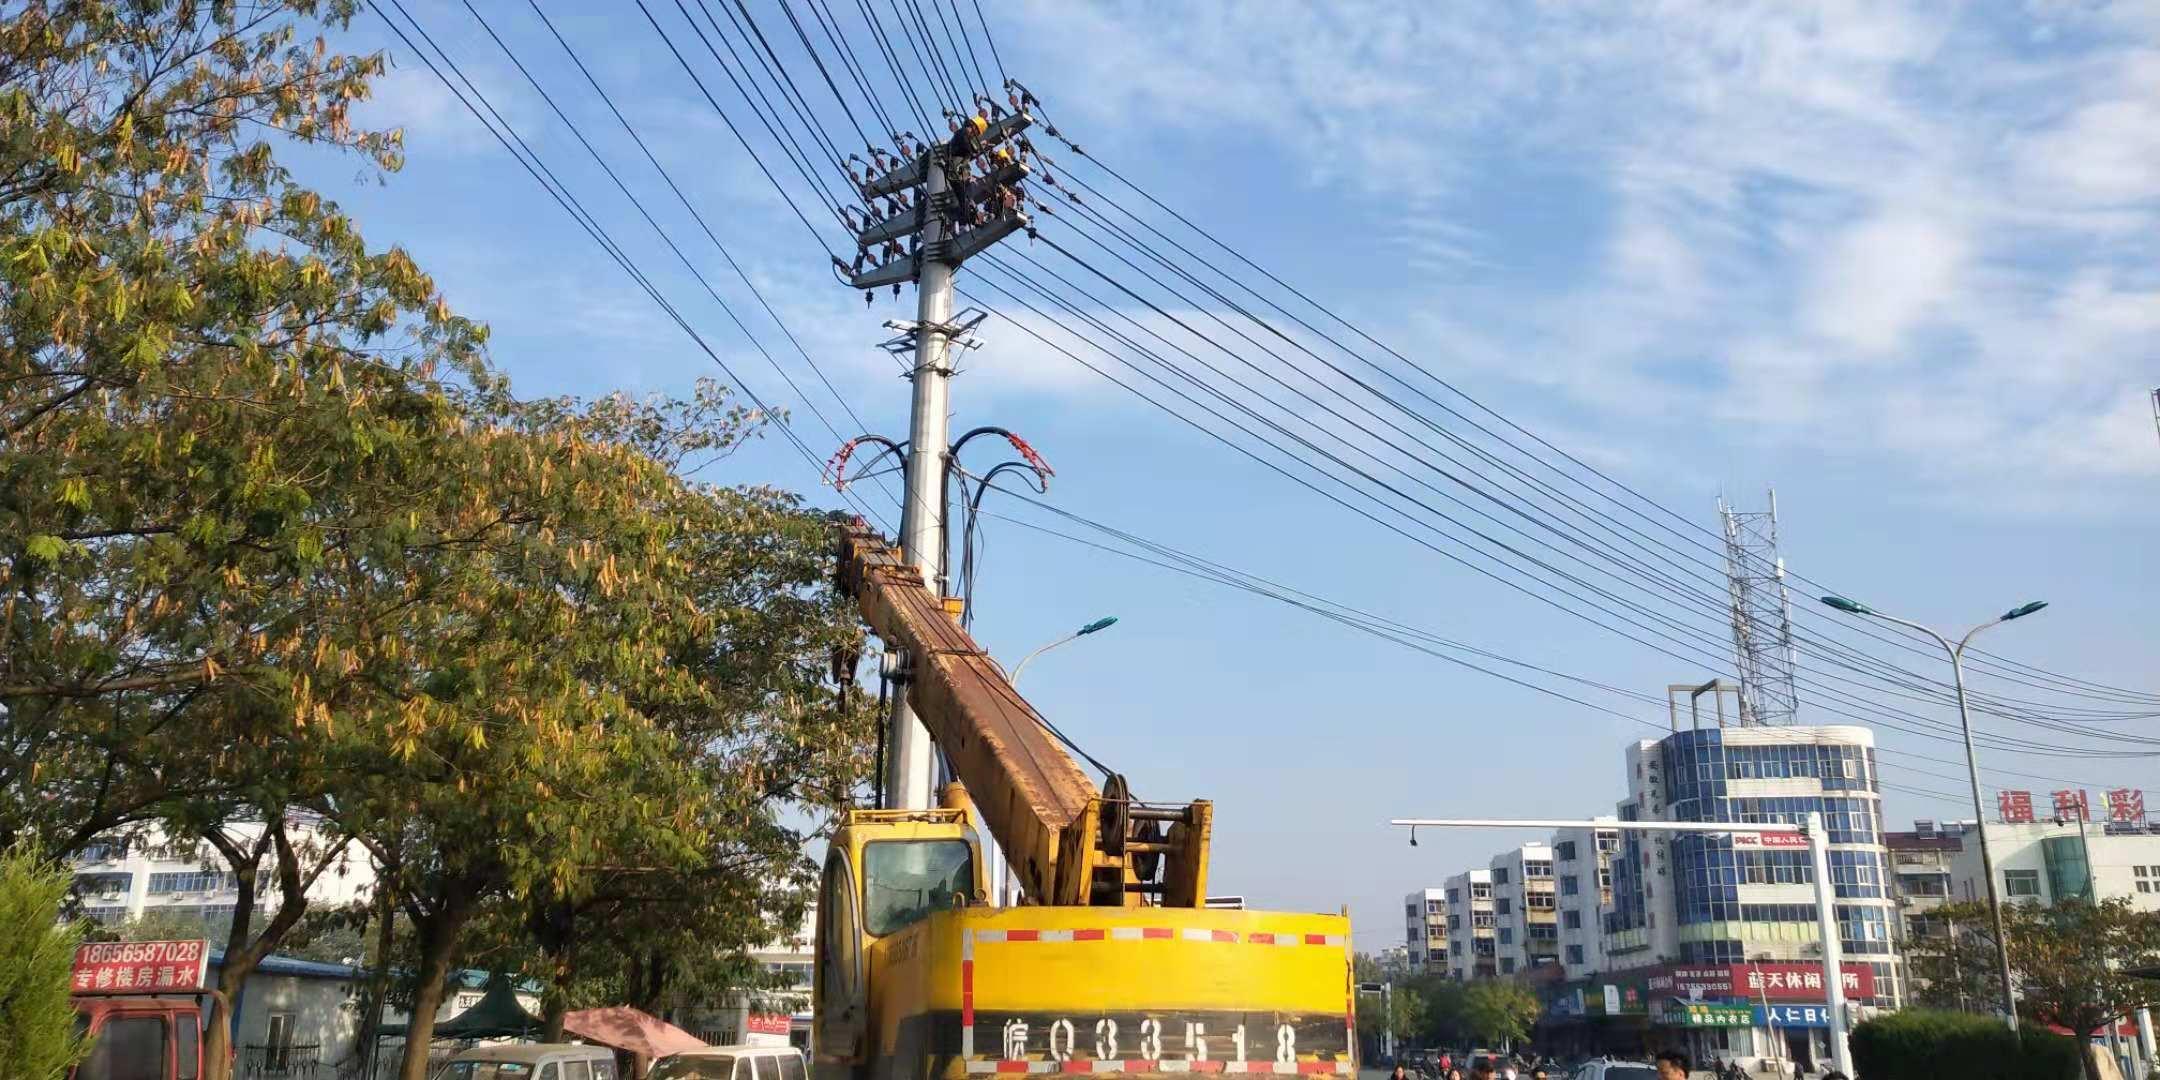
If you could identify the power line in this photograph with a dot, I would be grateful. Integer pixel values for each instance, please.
(489, 118)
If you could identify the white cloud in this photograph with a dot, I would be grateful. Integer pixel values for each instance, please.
(1912, 231)
(1880, 279)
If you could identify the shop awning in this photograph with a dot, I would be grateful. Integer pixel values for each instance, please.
(625, 1028)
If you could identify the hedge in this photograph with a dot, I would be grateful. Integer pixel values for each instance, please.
(1920, 1044)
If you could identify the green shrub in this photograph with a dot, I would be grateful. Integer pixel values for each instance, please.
(37, 1021)
(1921, 1044)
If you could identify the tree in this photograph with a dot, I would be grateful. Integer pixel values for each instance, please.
(37, 952)
(2069, 961)
(1403, 1012)
(613, 677)
(1497, 1012)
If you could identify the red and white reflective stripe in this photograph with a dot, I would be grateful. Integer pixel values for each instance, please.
(1155, 933)
(1088, 1065)
(967, 993)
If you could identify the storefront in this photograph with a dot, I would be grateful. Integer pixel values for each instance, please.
(1753, 1012)
(1608, 1014)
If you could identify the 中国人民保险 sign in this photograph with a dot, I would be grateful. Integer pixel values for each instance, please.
(1769, 840)
(1770, 981)
(1707, 1014)
(140, 967)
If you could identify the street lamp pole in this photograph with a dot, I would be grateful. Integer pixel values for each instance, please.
(1104, 623)
(1972, 771)
(1813, 834)
(1000, 870)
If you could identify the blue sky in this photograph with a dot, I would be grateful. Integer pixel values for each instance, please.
(1896, 260)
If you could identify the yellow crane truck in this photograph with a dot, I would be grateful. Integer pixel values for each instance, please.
(1113, 964)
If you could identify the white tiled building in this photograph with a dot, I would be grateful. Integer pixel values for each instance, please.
(1425, 935)
(1527, 931)
(1582, 885)
(124, 878)
(1472, 926)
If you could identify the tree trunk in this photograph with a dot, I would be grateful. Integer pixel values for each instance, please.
(242, 955)
(438, 934)
(554, 926)
(239, 961)
(379, 981)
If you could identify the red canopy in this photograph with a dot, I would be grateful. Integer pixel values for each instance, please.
(625, 1028)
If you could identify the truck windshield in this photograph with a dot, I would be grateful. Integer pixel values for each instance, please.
(904, 880)
(126, 1048)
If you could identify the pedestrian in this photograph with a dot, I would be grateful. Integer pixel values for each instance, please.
(1400, 1073)
(1482, 1070)
(1447, 1063)
(1672, 1065)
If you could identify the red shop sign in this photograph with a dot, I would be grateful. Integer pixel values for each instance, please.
(1757, 982)
(141, 967)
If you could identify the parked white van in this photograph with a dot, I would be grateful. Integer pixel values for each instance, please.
(732, 1063)
(532, 1061)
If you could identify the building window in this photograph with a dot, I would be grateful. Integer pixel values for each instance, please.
(1570, 885)
(1536, 868)
(1504, 906)
(191, 881)
(1454, 922)
(1507, 935)
(1454, 948)
(2148, 878)
(1499, 876)
(1480, 890)
(103, 884)
(1574, 954)
(1571, 919)
(2021, 882)
(1409, 911)
(1538, 901)
(1454, 896)
(1483, 920)
(1507, 965)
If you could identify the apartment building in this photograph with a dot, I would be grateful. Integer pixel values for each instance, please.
(1582, 886)
(1525, 909)
(1472, 926)
(146, 872)
(1425, 936)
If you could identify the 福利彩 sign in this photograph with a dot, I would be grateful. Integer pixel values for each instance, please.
(141, 967)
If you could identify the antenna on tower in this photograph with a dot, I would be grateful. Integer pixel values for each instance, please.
(2156, 409)
(1761, 615)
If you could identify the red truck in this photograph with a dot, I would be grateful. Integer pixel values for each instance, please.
(140, 1002)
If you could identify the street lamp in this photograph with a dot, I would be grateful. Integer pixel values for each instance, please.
(1972, 769)
(1103, 623)
(1000, 869)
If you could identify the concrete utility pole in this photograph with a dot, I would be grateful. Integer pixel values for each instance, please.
(910, 770)
(949, 193)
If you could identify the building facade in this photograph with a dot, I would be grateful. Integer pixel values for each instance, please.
(1526, 916)
(146, 873)
(2041, 861)
(1472, 926)
(1582, 885)
(1425, 935)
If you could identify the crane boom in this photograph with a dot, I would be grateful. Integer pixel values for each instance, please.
(1069, 842)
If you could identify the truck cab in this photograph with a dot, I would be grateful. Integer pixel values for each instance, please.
(139, 1038)
(140, 1003)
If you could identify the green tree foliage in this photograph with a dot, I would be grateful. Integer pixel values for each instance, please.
(1498, 1012)
(1405, 1013)
(37, 951)
(2070, 961)
(273, 535)
(1924, 1044)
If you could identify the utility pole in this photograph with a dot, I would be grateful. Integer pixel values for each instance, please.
(958, 210)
